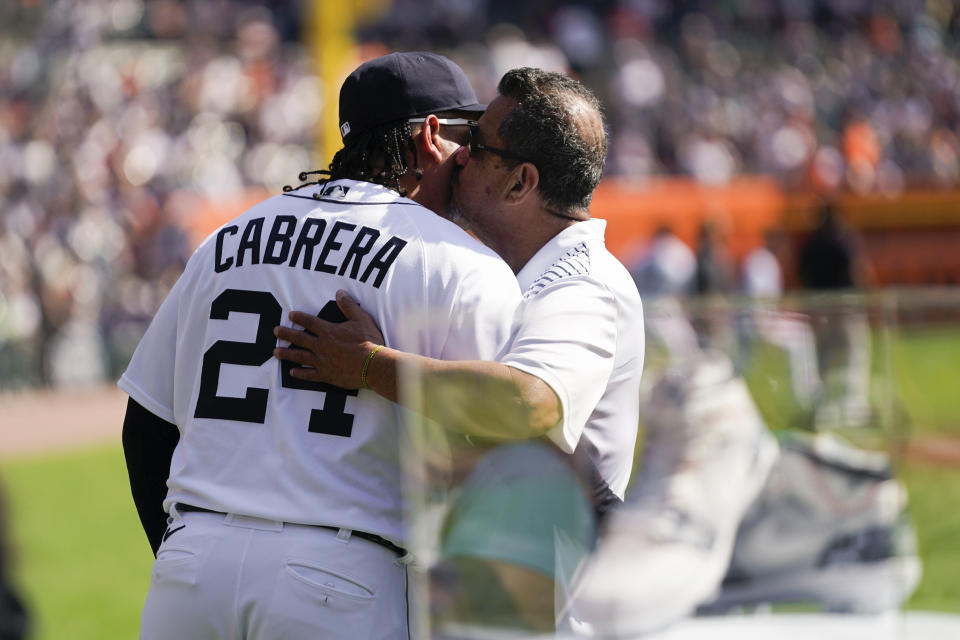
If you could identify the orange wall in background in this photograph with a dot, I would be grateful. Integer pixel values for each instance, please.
(207, 214)
(633, 211)
(911, 239)
(742, 210)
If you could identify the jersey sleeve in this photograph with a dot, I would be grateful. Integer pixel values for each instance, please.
(149, 377)
(567, 336)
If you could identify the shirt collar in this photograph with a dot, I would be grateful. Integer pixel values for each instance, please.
(352, 191)
(559, 244)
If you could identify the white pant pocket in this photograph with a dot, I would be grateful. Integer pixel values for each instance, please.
(175, 564)
(327, 582)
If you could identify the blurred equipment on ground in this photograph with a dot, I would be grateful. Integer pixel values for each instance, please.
(706, 456)
(830, 528)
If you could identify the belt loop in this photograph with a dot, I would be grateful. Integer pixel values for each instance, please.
(344, 535)
(252, 522)
(407, 560)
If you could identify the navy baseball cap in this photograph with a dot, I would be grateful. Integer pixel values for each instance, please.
(400, 86)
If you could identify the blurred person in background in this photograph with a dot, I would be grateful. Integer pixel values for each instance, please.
(766, 321)
(109, 119)
(761, 276)
(664, 274)
(713, 283)
(666, 267)
(714, 273)
(14, 618)
(831, 262)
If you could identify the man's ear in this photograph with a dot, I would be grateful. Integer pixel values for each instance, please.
(427, 140)
(523, 182)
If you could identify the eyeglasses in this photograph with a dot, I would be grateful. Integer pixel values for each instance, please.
(450, 122)
(474, 144)
(477, 147)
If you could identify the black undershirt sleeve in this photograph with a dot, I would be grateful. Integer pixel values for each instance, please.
(148, 444)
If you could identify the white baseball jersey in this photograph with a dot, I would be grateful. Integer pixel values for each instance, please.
(580, 330)
(667, 269)
(762, 275)
(258, 442)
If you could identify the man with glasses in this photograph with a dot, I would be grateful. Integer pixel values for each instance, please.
(570, 377)
(273, 504)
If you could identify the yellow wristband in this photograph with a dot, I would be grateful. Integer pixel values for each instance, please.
(366, 365)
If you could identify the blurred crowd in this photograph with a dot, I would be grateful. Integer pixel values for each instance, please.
(828, 94)
(116, 114)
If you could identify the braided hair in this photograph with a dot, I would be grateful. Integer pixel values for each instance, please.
(374, 156)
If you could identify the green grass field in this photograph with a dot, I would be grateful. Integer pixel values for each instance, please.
(925, 367)
(918, 364)
(933, 498)
(83, 562)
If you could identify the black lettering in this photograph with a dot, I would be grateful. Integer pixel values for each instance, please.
(383, 260)
(332, 245)
(309, 237)
(361, 247)
(250, 241)
(220, 265)
(253, 406)
(281, 238)
(330, 418)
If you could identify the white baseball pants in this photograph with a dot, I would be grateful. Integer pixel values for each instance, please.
(230, 577)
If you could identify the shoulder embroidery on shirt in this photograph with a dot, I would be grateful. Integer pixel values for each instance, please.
(575, 262)
(335, 191)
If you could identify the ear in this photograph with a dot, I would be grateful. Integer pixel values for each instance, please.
(427, 140)
(522, 183)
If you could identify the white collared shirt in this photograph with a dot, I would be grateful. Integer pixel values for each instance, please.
(580, 330)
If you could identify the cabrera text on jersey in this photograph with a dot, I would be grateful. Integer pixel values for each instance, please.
(285, 244)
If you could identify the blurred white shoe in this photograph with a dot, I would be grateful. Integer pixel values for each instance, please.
(707, 455)
(830, 528)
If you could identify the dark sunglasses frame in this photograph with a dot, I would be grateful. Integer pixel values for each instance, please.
(476, 147)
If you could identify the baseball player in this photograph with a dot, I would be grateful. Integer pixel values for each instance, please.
(572, 372)
(281, 514)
